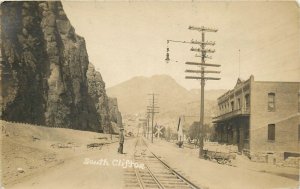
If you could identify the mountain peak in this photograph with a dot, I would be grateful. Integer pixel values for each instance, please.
(161, 76)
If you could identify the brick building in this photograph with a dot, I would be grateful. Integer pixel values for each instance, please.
(262, 118)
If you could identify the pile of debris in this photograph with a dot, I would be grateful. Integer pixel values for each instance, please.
(292, 162)
(214, 146)
(64, 145)
(223, 154)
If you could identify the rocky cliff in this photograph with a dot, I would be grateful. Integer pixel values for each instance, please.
(115, 114)
(45, 70)
(114, 111)
(96, 89)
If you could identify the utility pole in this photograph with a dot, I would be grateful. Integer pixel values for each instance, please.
(202, 65)
(148, 125)
(153, 109)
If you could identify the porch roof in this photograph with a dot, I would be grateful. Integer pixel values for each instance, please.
(231, 115)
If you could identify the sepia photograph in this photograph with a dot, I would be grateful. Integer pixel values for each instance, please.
(183, 94)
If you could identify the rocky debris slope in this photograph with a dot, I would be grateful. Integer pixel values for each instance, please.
(28, 150)
(44, 68)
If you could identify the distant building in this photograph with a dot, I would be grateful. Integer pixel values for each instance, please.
(262, 118)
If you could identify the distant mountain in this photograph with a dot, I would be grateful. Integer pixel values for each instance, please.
(173, 99)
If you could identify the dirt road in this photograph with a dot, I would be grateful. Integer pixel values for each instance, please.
(91, 170)
(104, 169)
(215, 176)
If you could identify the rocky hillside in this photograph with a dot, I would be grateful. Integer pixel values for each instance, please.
(46, 77)
(133, 94)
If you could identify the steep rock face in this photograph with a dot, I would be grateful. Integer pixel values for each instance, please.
(115, 114)
(96, 89)
(44, 69)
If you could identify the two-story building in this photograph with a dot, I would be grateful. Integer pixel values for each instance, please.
(261, 117)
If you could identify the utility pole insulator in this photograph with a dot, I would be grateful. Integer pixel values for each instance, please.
(203, 29)
(203, 50)
(203, 43)
(200, 71)
(205, 78)
(202, 64)
(150, 108)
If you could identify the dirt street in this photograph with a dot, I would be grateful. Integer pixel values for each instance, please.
(83, 171)
(215, 176)
(60, 158)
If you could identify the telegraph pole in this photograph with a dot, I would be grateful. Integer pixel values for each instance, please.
(153, 109)
(203, 54)
(148, 125)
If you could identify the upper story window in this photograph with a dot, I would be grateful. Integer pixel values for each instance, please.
(271, 132)
(232, 105)
(247, 101)
(271, 102)
(238, 103)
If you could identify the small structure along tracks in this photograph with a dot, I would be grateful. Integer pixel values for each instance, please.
(156, 173)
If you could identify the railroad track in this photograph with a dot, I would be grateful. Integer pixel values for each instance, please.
(156, 173)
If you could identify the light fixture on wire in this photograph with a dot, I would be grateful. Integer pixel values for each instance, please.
(167, 55)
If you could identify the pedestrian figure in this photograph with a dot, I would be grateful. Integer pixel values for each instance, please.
(121, 140)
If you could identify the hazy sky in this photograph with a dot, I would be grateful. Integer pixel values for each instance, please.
(127, 39)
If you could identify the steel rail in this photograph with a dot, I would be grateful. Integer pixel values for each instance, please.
(172, 170)
(140, 180)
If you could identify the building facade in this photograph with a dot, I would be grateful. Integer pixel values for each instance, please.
(262, 118)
